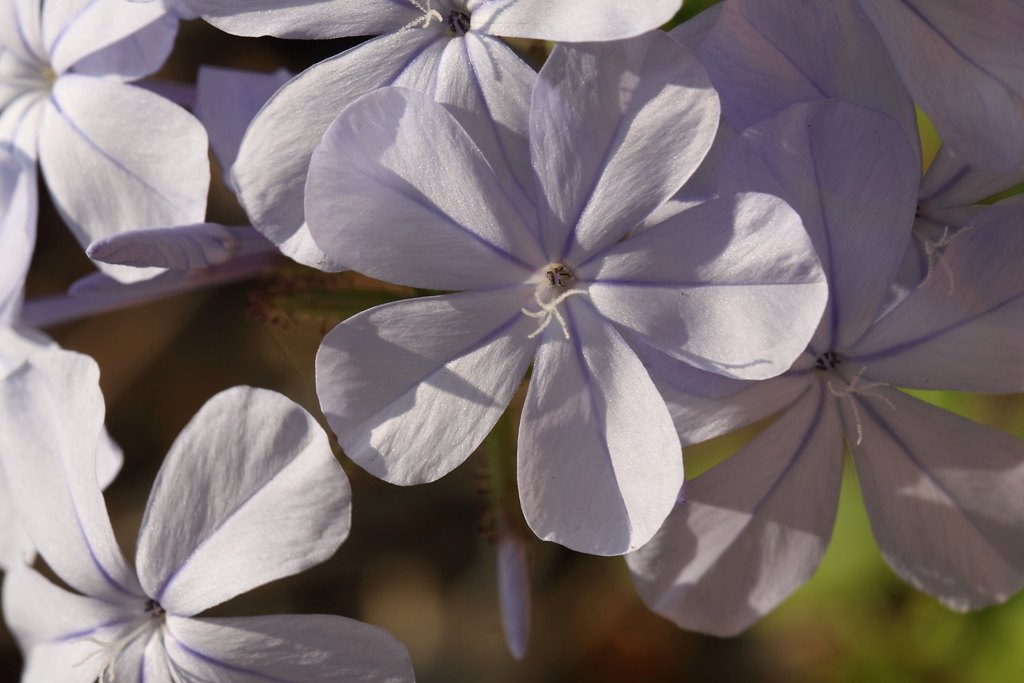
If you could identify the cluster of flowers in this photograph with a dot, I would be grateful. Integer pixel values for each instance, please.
(679, 240)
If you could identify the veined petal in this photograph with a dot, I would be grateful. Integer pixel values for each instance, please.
(110, 173)
(486, 87)
(411, 388)
(19, 31)
(60, 633)
(20, 122)
(944, 497)
(765, 55)
(731, 286)
(309, 648)
(853, 179)
(399, 191)
(270, 172)
(952, 182)
(615, 130)
(226, 102)
(51, 428)
(183, 247)
(694, 31)
(599, 461)
(307, 19)
(136, 55)
(964, 67)
(570, 20)
(75, 29)
(250, 492)
(751, 530)
(704, 405)
(963, 327)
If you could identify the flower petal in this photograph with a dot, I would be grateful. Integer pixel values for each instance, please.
(964, 67)
(963, 327)
(75, 29)
(110, 173)
(570, 20)
(599, 460)
(944, 497)
(270, 172)
(853, 179)
(183, 247)
(615, 130)
(411, 388)
(486, 87)
(704, 405)
(399, 191)
(249, 492)
(309, 648)
(226, 102)
(136, 55)
(731, 286)
(751, 530)
(19, 30)
(307, 20)
(60, 633)
(764, 55)
(951, 182)
(51, 428)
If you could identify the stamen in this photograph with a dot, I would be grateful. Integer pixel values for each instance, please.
(934, 251)
(113, 650)
(855, 387)
(429, 15)
(549, 310)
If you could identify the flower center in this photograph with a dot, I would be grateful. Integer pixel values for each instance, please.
(555, 288)
(458, 22)
(559, 275)
(828, 361)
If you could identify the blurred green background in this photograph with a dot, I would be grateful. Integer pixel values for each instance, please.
(417, 561)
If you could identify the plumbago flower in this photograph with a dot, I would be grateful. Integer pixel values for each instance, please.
(943, 494)
(400, 191)
(249, 493)
(115, 157)
(447, 48)
(961, 62)
(17, 344)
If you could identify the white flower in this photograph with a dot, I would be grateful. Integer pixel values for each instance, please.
(249, 493)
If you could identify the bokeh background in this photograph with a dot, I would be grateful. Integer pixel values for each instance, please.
(421, 562)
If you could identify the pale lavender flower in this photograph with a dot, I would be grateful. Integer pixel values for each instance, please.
(115, 157)
(17, 346)
(963, 62)
(447, 48)
(400, 191)
(250, 492)
(945, 496)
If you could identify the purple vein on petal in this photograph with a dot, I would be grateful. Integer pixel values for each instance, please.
(903, 346)
(105, 154)
(483, 341)
(69, 25)
(424, 202)
(219, 663)
(88, 632)
(493, 123)
(926, 474)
